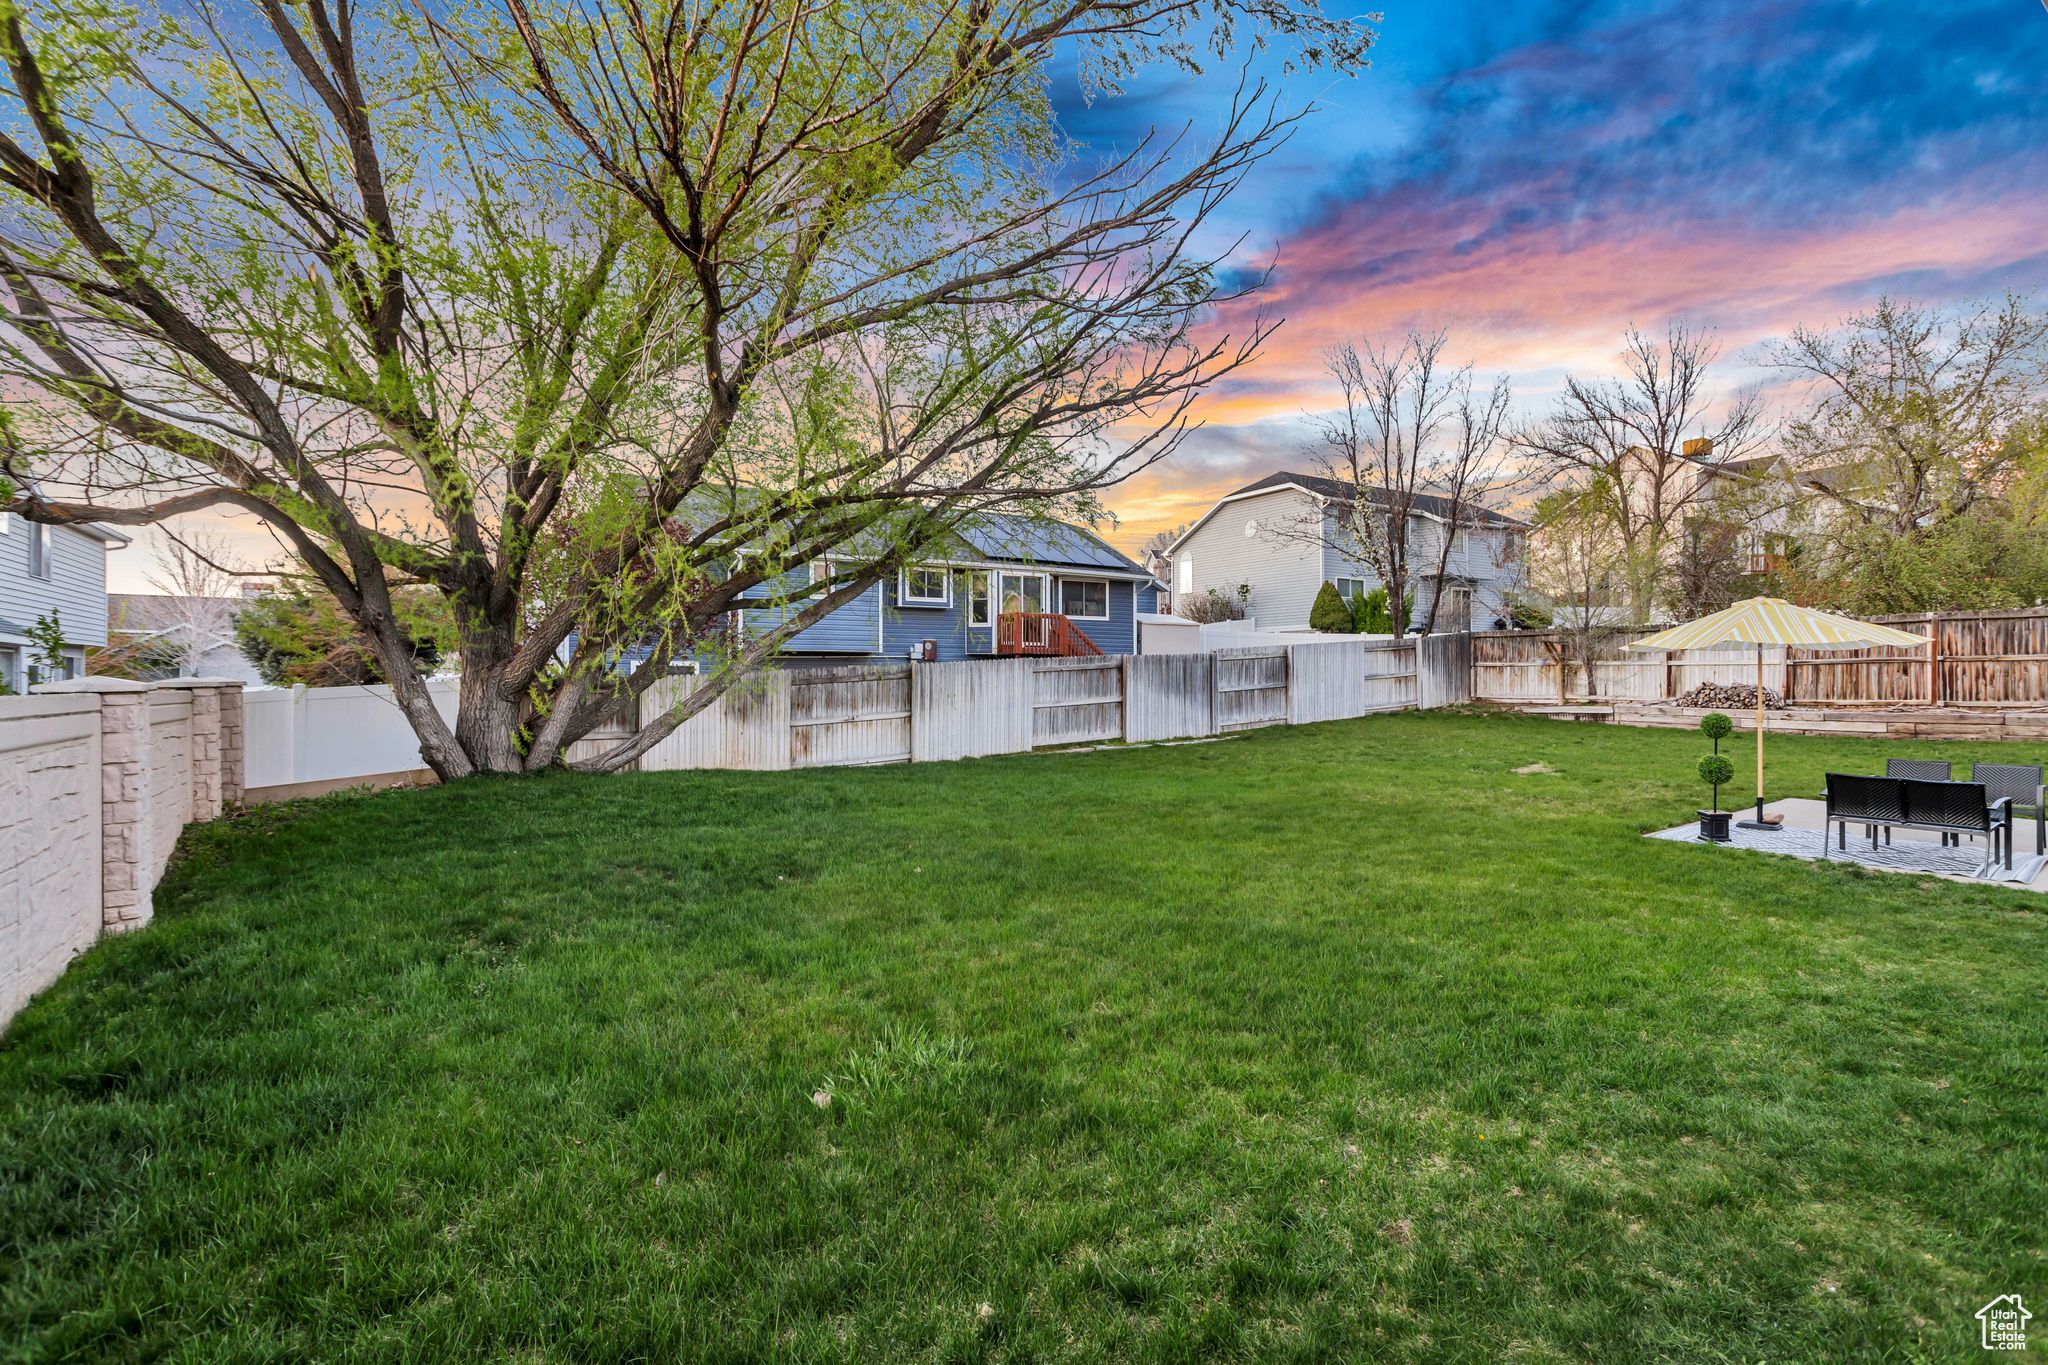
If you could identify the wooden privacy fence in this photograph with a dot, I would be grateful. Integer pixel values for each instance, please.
(1981, 658)
(918, 712)
(1525, 666)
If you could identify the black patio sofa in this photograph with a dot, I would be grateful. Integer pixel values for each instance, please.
(1912, 803)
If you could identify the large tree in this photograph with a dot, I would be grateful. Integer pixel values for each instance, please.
(1644, 452)
(599, 318)
(1421, 448)
(1914, 466)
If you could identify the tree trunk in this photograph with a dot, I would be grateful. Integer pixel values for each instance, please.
(486, 724)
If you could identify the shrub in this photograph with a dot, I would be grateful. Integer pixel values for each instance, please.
(1214, 605)
(302, 636)
(1329, 614)
(1369, 614)
(1716, 727)
(1714, 770)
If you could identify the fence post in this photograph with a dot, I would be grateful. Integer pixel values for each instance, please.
(299, 707)
(1933, 658)
(125, 861)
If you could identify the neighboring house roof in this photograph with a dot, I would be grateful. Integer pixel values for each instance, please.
(1337, 490)
(1015, 540)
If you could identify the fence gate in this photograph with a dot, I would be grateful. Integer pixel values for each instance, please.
(849, 715)
(1390, 676)
(1251, 688)
(1443, 669)
(1169, 696)
(1325, 681)
(1077, 700)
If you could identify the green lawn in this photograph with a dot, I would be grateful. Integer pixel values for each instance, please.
(1334, 1043)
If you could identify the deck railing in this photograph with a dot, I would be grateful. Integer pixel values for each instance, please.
(1046, 633)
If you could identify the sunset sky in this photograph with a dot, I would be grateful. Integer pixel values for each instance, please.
(1536, 176)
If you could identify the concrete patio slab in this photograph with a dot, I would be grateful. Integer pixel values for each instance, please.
(1918, 852)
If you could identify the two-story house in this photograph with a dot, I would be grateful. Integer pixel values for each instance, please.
(58, 572)
(1008, 587)
(1283, 538)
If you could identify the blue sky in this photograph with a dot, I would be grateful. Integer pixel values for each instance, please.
(1539, 176)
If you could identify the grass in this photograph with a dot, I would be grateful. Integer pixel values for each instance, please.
(1333, 1043)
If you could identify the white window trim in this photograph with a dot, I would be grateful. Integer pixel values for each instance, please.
(905, 599)
(1361, 590)
(6, 523)
(1071, 616)
(41, 566)
(1186, 568)
(988, 600)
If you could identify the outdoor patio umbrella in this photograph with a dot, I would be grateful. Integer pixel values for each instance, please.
(1772, 621)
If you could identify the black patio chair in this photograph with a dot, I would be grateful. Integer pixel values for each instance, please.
(1853, 798)
(1946, 807)
(2021, 782)
(1926, 770)
(1960, 808)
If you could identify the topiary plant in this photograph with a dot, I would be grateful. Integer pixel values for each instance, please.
(1329, 613)
(1716, 727)
(1714, 770)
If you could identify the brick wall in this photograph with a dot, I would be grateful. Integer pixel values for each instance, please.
(97, 777)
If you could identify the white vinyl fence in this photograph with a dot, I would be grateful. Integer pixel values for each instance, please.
(301, 739)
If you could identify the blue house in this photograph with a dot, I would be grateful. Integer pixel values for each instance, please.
(1008, 587)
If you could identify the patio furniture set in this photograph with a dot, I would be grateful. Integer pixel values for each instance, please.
(1920, 794)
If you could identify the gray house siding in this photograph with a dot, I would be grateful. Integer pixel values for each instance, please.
(76, 588)
(1279, 558)
(1286, 569)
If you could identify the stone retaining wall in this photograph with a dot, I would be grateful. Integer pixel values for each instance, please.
(97, 777)
(1921, 722)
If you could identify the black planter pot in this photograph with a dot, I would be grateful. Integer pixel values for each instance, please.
(1714, 825)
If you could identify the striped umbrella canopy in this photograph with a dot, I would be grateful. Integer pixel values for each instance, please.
(1773, 621)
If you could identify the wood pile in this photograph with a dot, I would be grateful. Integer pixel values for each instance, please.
(1730, 697)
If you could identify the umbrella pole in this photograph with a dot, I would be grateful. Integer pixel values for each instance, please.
(1759, 732)
(1758, 823)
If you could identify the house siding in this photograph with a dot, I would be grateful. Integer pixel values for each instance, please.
(1116, 635)
(904, 626)
(1284, 572)
(76, 588)
(853, 629)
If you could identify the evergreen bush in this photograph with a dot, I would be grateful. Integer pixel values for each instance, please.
(1329, 614)
(1369, 615)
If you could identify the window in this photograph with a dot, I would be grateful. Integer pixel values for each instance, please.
(6, 523)
(10, 670)
(924, 588)
(977, 599)
(38, 550)
(1084, 599)
(1350, 588)
(1187, 574)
